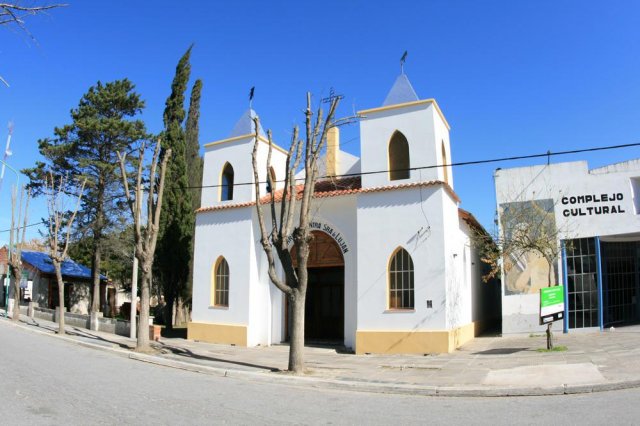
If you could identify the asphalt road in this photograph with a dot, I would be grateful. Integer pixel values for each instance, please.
(45, 380)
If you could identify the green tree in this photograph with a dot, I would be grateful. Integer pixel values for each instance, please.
(102, 125)
(117, 253)
(192, 134)
(194, 170)
(173, 255)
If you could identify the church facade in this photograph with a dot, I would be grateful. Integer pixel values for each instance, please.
(392, 268)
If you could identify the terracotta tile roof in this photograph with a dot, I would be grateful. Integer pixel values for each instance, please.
(415, 185)
(324, 188)
(336, 187)
(471, 220)
(225, 207)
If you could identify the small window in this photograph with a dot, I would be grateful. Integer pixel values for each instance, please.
(226, 188)
(221, 283)
(398, 157)
(271, 180)
(401, 281)
(445, 164)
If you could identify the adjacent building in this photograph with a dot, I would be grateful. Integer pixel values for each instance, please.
(39, 283)
(594, 216)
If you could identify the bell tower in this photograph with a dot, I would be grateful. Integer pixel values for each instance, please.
(228, 172)
(406, 140)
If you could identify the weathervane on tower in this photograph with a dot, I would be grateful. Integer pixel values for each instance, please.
(251, 97)
(402, 61)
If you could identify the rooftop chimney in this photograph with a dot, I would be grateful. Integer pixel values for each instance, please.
(333, 150)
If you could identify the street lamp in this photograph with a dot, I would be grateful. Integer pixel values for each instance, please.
(6, 287)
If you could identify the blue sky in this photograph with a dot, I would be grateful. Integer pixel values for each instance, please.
(512, 78)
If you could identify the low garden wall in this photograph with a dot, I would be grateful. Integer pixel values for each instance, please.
(107, 325)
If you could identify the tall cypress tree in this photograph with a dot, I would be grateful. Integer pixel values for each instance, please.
(192, 131)
(173, 254)
(194, 170)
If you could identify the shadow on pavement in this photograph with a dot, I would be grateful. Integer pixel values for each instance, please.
(501, 351)
(182, 352)
(76, 332)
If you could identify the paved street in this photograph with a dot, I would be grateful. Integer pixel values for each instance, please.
(52, 381)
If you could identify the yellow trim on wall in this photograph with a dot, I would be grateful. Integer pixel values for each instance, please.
(407, 104)
(248, 135)
(217, 333)
(214, 282)
(413, 342)
(445, 162)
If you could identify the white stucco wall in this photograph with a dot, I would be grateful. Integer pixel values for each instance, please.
(385, 223)
(457, 261)
(223, 233)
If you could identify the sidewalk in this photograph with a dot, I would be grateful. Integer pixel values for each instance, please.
(487, 366)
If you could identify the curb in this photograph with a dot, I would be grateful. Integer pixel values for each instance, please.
(349, 385)
(388, 388)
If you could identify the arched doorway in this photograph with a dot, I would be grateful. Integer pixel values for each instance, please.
(324, 307)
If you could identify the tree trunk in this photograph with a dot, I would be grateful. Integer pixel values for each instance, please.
(180, 314)
(549, 332)
(17, 277)
(142, 344)
(168, 311)
(97, 253)
(60, 297)
(296, 348)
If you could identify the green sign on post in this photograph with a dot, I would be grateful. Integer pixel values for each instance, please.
(551, 304)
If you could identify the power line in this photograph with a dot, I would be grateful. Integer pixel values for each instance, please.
(547, 154)
(20, 227)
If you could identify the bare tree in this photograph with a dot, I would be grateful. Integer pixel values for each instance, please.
(527, 229)
(16, 242)
(14, 14)
(145, 236)
(60, 223)
(283, 227)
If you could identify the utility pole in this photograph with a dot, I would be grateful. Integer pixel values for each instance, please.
(134, 286)
(6, 287)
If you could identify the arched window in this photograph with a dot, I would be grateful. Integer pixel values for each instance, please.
(398, 157)
(226, 188)
(271, 179)
(220, 286)
(401, 281)
(445, 168)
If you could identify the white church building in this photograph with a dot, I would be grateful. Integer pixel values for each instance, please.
(391, 268)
